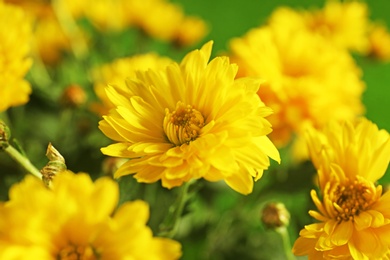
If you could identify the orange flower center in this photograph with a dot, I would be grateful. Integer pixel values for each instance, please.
(74, 252)
(351, 199)
(182, 125)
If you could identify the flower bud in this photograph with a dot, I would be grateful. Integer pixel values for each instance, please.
(55, 165)
(73, 96)
(5, 134)
(275, 215)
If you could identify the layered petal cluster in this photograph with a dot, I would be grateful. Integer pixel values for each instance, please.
(353, 212)
(303, 88)
(77, 219)
(16, 36)
(344, 24)
(192, 120)
(117, 72)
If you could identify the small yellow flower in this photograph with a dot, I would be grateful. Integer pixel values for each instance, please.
(117, 72)
(192, 120)
(16, 36)
(303, 89)
(379, 39)
(190, 31)
(77, 219)
(353, 214)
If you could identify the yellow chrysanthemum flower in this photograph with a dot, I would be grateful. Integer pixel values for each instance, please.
(193, 120)
(117, 72)
(302, 88)
(15, 33)
(344, 24)
(353, 213)
(379, 39)
(77, 219)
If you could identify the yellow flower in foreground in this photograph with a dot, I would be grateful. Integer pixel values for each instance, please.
(193, 120)
(354, 215)
(77, 219)
(117, 72)
(15, 33)
(303, 89)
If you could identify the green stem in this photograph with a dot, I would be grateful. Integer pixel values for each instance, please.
(23, 161)
(286, 242)
(169, 226)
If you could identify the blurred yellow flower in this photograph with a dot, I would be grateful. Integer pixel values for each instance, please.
(77, 219)
(193, 120)
(16, 36)
(50, 39)
(379, 42)
(353, 213)
(190, 31)
(344, 24)
(101, 12)
(117, 72)
(165, 21)
(303, 88)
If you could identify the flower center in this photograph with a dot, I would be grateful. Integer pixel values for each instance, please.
(352, 199)
(75, 252)
(182, 125)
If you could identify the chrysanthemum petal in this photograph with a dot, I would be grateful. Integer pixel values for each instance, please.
(242, 183)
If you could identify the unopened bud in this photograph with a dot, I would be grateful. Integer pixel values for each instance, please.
(275, 215)
(55, 165)
(111, 165)
(73, 96)
(5, 134)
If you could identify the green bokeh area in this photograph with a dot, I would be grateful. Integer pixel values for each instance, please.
(218, 223)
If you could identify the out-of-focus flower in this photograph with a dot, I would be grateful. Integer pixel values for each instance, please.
(353, 213)
(379, 42)
(303, 89)
(101, 12)
(165, 21)
(344, 24)
(51, 38)
(190, 31)
(16, 36)
(193, 120)
(77, 219)
(117, 72)
(73, 96)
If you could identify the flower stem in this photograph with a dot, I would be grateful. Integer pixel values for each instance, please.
(286, 242)
(23, 161)
(169, 226)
